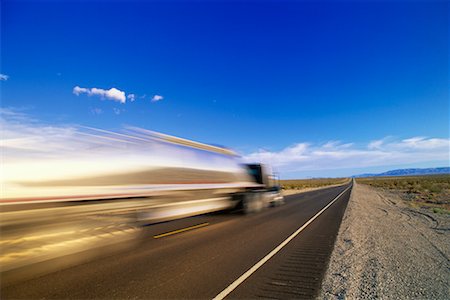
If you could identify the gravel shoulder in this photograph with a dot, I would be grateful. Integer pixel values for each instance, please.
(386, 249)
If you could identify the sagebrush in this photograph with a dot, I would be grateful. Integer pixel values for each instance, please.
(428, 191)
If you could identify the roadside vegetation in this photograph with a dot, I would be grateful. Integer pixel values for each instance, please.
(431, 192)
(299, 184)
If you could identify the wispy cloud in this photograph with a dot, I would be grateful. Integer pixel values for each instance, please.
(111, 94)
(24, 138)
(157, 98)
(96, 111)
(131, 97)
(3, 77)
(306, 156)
(21, 132)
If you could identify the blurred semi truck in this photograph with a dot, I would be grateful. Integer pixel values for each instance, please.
(97, 188)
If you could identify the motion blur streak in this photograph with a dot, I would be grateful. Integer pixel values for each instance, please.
(67, 197)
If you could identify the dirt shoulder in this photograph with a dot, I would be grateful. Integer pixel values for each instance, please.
(386, 249)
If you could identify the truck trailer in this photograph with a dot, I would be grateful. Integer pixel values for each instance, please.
(99, 189)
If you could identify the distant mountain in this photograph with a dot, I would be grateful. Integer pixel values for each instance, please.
(409, 172)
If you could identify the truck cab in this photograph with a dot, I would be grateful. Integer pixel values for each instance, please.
(270, 189)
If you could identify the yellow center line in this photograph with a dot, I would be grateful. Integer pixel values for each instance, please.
(180, 230)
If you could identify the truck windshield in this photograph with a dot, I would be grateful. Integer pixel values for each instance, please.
(256, 172)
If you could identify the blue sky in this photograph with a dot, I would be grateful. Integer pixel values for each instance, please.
(259, 77)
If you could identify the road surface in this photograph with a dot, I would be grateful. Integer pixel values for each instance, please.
(201, 257)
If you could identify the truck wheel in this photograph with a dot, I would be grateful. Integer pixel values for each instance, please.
(247, 204)
(252, 203)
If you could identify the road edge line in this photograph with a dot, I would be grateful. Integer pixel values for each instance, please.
(259, 264)
(158, 236)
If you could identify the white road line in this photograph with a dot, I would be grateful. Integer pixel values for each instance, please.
(253, 269)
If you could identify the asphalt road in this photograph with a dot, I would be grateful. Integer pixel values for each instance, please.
(201, 262)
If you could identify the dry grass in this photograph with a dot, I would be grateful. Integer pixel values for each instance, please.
(298, 184)
(431, 191)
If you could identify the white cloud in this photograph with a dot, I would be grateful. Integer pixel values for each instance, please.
(116, 111)
(79, 90)
(111, 94)
(3, 77)
(422, 143)
(156, 98)
(336, 155)
(375, 144)
(131, 97)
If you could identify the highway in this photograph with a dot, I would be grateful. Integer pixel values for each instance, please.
(201, 257)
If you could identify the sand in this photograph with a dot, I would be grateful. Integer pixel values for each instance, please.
(386, 249)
